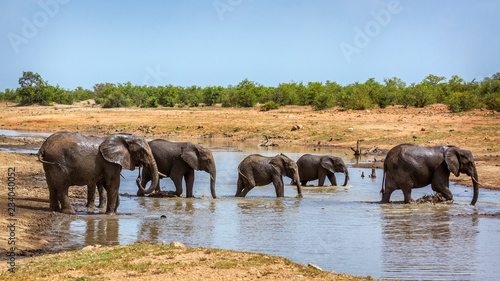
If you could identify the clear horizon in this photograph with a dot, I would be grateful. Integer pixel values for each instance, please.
(221, 42)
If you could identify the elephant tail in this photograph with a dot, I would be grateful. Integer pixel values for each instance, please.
(40, 154)
(383, 183)
(243, 177)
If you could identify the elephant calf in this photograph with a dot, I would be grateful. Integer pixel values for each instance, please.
(409, 166)
(313, 167)
(257, 170)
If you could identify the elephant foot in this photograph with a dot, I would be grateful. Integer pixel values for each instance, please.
(299, 195)
(91, 206)
(173, 194)
(68, 211)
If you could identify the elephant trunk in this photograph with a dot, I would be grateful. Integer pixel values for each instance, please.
(346, 174)
(296, 179)
(475, 184)
(212, 183)
(150, 163)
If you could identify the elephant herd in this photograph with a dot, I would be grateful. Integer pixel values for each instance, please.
(73, 159)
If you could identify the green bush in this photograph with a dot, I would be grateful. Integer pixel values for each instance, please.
(167, 96)
(355, 97)
(323, 101)
(115, 98)
(268, 106)
(151, 102)
(461, 101)
(246, 93)
(492, 101)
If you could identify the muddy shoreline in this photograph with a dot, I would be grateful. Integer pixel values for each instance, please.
(35, 233)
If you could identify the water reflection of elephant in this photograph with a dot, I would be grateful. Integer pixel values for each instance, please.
(102, 231)
(426, 238)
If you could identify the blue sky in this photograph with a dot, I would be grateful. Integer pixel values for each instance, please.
(220, 42)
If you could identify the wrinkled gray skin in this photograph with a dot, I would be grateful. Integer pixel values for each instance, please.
(73, 159)
(91, 195)
(178, 160)
(318, 167)
(409, 166)
(258, 170)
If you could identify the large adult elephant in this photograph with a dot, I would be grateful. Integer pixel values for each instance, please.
(73, 159)
(318, 167)
(258, 170)
(178, 160)
(409, 166)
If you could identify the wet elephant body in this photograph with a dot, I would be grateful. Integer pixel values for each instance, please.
(258, 170)
(179, 160)
(319, 167)
(409, 166)
(74, 159)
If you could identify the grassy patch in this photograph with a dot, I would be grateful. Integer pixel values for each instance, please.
(143, 260)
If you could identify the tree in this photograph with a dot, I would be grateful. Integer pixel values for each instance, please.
(167, 96)
(33, 89)
(212, 95)
(246, 93)
(489, 91)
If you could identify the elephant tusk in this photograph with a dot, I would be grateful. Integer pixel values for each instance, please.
(162, 175)
(474, 180)
(139, 175)
(122, 175)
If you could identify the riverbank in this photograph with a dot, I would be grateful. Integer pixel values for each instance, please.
(477, 131)
(166, 262)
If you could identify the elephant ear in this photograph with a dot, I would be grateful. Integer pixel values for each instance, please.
(451, 157)
(278, 164)
(115, 150)
(190, 155)
(327, 163)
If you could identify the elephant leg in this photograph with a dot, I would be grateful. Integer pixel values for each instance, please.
(112, 186)
(53, 198)
(279, 186)
(239, 187)
(245, 191)
(303, 183)
(178, 185)
(64, 200)
(442, 188)
(102, 195)
(91, 196)
(321, 177)
(407, 194)
(332, 179)
(189, 179)
(386, 197)
(245, 184)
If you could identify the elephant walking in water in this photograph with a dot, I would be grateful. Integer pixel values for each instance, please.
(73, 159)
(318, 167)
(409, 166)
(257, 170)
(178, 160)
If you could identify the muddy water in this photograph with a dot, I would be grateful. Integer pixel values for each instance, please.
(342, 229)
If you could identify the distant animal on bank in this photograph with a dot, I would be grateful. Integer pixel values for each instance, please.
(74, 159)
(409, 166)
(258, 170)
(319, 167)
(179, 160)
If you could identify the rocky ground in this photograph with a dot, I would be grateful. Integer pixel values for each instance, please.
(377, 129)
